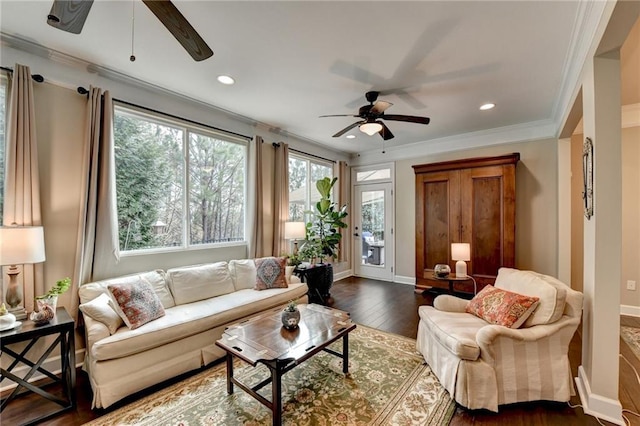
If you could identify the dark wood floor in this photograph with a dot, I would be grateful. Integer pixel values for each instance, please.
(393, 308)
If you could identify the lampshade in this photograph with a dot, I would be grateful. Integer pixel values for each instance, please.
(371, 128)
(21, 244)
(294, 230)
(461, 251)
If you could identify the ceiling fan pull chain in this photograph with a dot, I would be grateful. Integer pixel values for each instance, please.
(132, 58)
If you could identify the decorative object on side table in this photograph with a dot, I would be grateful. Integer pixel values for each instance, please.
(441, 270)
(50, 298)
(7, 319)
(19, 245)
(290, 316)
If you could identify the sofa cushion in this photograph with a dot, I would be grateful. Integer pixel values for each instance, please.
(270, 273)
(502, 307)
(551, 293)
(193, 318)
(136, 303)
(157, 279)
(192, 283)
(100, 310)
(243, 273)
(456, 331)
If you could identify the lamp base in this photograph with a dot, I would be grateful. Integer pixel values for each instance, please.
(461, 268)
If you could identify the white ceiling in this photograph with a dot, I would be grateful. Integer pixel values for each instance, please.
(296, 60)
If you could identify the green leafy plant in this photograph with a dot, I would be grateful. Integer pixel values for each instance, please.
(60, 287)
(291, 306)
(323, 232)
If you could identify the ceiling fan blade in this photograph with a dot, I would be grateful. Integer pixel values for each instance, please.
(385, 132)
(408, 118)
(380, 106)
(346, 129)
(69, 15)
(339, 115)
(181, 29)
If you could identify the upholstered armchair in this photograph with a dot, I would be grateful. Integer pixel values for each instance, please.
(484, 365)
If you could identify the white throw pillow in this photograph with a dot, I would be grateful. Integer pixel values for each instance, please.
(100, 310)
(193, 283)
(243, 273)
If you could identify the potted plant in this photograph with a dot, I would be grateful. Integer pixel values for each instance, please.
(290, 316)
(323, 237)
(50, 298)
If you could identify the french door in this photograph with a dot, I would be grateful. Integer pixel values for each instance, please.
(372, 231)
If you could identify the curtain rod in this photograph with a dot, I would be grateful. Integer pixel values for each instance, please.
(36, 77)
(277, 145)
(84, 91)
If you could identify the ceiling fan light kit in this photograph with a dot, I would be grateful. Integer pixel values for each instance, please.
(371, 128)
(370, 114)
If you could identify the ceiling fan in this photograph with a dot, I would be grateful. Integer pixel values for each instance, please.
(70, 15)
(372, 113)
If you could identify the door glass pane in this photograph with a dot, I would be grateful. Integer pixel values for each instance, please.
(371, 175)
(373, 222)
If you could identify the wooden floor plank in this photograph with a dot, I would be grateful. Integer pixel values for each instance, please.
(393, 308)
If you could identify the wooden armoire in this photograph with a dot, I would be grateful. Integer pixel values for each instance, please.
(467, 201)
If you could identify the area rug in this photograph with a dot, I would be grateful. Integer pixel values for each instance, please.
(388, 384)
(631, 335)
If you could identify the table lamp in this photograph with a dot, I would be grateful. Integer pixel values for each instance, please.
(294, 231)
(19, 245)
(462, 253)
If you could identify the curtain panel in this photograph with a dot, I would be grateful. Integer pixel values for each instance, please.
(344, 197)
(98, 225)
(280, 198)
(22, 183)
(256, 216)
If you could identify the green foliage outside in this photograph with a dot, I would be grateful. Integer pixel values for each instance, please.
(3, 119)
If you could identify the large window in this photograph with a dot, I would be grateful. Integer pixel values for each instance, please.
(178, 186)
(3, 119)
(303, 195)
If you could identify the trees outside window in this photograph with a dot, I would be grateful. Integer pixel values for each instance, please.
(3, 120)
(303, 194)
(177, 186)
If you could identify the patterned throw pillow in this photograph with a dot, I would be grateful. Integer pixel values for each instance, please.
(136, 303)
(497, 306)
(270, 273)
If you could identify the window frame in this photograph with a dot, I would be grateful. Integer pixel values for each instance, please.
(309, 160)
(187, 128)
(4, 83)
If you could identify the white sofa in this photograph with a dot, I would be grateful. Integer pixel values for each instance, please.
(199, 302)
(485, 365)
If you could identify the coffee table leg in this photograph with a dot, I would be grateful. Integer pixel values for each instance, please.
(345, 353)
(276, 395)
(229, 373)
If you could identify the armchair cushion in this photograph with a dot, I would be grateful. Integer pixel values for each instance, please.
(454, 330)
(501, 307)
(552, 293)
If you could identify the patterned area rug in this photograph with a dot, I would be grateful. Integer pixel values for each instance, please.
(631, 335)
(388, 384)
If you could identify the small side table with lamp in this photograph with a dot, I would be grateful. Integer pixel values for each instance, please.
(19, 245)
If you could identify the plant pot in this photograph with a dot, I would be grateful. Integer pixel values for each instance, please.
(319, 280)
(290, 319)
(51, 301)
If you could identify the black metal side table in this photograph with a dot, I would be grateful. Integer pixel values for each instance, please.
(61, 328)
(452, 279)
(319, 279)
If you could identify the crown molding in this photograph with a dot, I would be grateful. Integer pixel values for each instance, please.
(535, 130)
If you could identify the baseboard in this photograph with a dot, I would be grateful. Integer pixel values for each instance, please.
(596, 405)
(633, 311)
(51, 364)
(342, 275)
(404, 280)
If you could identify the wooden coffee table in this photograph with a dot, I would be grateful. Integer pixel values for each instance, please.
(264, 340)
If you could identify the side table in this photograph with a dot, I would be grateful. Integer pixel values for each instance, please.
(452, 279)
(319, 279)
(61, 328)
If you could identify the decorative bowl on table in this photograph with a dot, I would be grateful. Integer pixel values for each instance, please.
(43, 316)
(441, 270)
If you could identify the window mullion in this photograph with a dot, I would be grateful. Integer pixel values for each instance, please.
(186, 223)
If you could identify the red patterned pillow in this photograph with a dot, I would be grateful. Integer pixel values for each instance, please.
(136, 303)
(270, 273)
(497, 306)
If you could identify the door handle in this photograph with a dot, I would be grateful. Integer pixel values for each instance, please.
(356, 235)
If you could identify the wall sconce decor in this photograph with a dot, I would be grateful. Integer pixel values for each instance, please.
(587, 175)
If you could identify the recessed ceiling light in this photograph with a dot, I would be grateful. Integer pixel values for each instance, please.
(351, 136)
(487, 106)
(225, 79)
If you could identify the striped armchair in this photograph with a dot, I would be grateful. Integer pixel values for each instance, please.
(484, 365)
